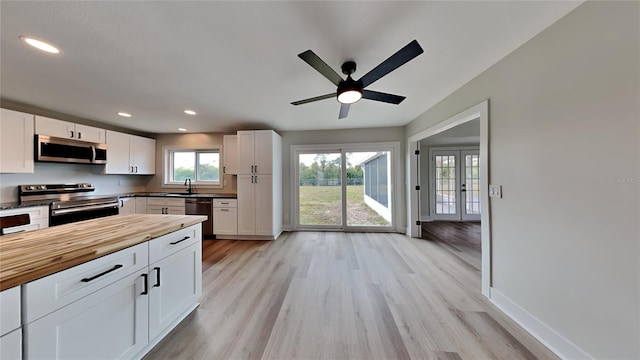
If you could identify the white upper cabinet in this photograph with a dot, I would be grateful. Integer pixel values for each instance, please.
(230, 151)
(69, 130)
(144, 155)
(130, 154)
(118, 161)
(255, 151)
(16, 142)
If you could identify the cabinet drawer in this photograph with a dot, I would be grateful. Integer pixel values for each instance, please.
(225, 221)
(9, 310)
(223, 203)
(161, 201)
(36, 224)
(168, 244)
(53, 292)
(35, 212)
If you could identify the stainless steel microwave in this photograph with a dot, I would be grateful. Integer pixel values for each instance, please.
(54, 149)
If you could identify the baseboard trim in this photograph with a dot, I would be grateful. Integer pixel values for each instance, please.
(557, 343)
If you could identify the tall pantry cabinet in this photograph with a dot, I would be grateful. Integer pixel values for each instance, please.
(259, 184)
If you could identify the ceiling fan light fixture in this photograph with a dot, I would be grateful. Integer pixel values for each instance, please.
(349, 96)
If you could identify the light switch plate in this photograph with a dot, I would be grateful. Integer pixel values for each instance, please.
(495, 191)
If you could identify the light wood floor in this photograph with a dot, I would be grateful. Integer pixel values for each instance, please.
(315, 295)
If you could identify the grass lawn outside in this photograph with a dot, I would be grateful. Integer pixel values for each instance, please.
(321, 205)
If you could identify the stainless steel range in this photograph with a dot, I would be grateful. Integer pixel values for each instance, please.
(70, 202)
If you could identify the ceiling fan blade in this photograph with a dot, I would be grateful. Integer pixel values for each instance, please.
(396, 60)
(312, 59)
(321, 97)
(384, 97)
(344, 111)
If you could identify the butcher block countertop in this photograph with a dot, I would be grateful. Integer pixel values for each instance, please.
(31, 255)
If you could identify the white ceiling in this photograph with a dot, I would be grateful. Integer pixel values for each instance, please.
(236, 63)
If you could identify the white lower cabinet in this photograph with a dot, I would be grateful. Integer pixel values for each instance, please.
(165, 205)
(176, 286)
(117, 306)
(111, 323)
(11, 345)
(225, 217)
(10, 330)
(255, 205)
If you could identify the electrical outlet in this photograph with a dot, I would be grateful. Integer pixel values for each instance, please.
(495, 191)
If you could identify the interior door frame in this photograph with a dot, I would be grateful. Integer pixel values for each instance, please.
(481, 111)
(396, 181)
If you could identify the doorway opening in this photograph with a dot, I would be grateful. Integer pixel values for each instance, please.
(448, 179)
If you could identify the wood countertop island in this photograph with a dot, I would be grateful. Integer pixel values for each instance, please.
(31, 255)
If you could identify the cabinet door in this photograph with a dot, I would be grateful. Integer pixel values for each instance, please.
(263, 152)
(111, 323)
(175, 210)
(246, 146)
(144, 155)
(246, 205)
(230, 149)
(175, 285)
(90, 134)
(118, 161)
(141, 205)
(54, 127)
(16, 142)
(155, 209)
(225, 221)
(264, 205)
(11, 345)
(127, 206)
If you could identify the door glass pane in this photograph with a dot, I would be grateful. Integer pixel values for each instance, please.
(368, 188)
(445, 169)
(320, 191)
(472, 171)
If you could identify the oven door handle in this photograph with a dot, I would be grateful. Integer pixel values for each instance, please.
(83, 208)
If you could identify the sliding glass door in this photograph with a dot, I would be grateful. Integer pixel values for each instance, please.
(320, 189)
(346, 188)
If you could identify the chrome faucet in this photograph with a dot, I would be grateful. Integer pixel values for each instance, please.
(189, 190)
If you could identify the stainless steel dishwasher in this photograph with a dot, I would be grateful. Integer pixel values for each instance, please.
(201, 206)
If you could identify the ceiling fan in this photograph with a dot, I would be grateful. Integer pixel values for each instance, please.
(349, 91)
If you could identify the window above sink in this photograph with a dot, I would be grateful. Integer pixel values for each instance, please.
(201, 166)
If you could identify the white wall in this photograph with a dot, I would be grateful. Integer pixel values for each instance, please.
(333, 137)
(52, 173)
(564, 143)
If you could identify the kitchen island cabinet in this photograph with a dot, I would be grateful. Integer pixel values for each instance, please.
(134, 281)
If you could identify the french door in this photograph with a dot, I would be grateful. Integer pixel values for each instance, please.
(455, 185)
(350, 187)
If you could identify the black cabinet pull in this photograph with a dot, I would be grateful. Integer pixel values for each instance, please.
(146, 285)
(116, 267)
(179, 241)
(157, 284)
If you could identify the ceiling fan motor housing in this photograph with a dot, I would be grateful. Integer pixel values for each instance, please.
(349, 67)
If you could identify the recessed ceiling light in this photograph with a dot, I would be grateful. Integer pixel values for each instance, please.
(190, 112)
(39, 44)
(182, 129)
(124, 114)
